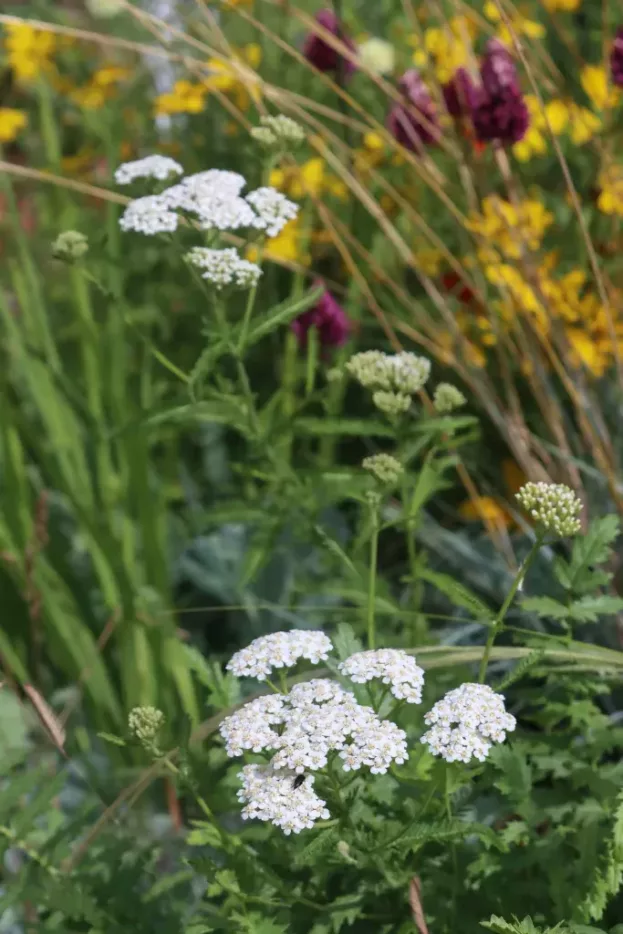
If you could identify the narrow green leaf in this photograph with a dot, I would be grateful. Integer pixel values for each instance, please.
(457, 593)
(359, 427)
(280, 315)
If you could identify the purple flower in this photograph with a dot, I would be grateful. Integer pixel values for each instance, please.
(329, 318)
(460, 94)
(323, 56)
(414, 122)
(499, 109)
(616, 58)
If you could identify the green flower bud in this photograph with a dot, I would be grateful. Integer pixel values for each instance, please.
(554, 506)
(102, 9)
(447, 398)
(145, 724)
(402, 372)
(70, 246)
(278, 132)
(391, 403)
(384, 467)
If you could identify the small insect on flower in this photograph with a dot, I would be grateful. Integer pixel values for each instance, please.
(298, 781)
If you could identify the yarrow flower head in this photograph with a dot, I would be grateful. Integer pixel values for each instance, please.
(377, 55)
(391, 666)
(330, 320)
(403, 372)
(447, 398)
(391, 403)
(213, 197)
(145, 724)
(158, 167)
(466, 722)
(222, 268)
(616, 58)
(270, 795)
(386, 468)
(69, 246)
(302, 728)
(279, 132)
(273, 209)
(279, 650)
(149, 215)
(554, 506)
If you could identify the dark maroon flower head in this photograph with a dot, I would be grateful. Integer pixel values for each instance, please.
(503, 117)
(323, 56)
(616, 58)
(460, 94)
(329, 318)
(497, 69)
(414, 122)
(499, 109)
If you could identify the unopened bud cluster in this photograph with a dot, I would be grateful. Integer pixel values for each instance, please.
(386, 468)
(278, 132)
(69, 246)
(394, 378)
(554, 506)
(447, 398)
(145, 724)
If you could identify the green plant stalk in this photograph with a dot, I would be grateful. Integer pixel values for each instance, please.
(498, 622)
(311, 360)
(248, 311)
(455, 868)
(374, 549)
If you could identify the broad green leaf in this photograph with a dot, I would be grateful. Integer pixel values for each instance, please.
(346, 642)
(591, 549)
(322, 844)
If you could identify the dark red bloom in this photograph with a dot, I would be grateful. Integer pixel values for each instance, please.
(616, 58)
(323, 56)
(450, 280)
(414, 122)
(460, 94)
(329, 318)
(500, 111)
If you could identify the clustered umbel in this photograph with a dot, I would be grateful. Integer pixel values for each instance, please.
(465, 723)
(279, 650)
(278, 132)
(447, 398)
(303, 728)
(393, 667)
(158, 167)
(554, 506)
(69, 246)
(223, 268)
(385, 467)
(402, 372)
(269, 795)
(145, 724)
(213, 200)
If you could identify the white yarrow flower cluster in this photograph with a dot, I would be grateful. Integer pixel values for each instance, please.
(224, 267)
(273, 209)
(391, 666)
(399, 373)
(553, 505)
(279, 650)
(302, 728)
(149, 215)
(466, 722)
(270, 795)
(158, 167)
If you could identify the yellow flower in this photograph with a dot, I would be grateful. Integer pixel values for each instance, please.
(509, 228)
(185, 98)
(311, 179)
(447, 47)
(595, 82)
(11, 122)
(286, 247)
(428, 260)
(557, 115)
(520, 24)
(29, 50)
(584, 124)
(566, 6)
(610, 200)
(485, 508)
(235, 76)
(101, 87)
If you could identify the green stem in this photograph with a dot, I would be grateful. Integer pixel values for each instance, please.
(248, 311)
(498, 622)
(455, 873)
(374, 549)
